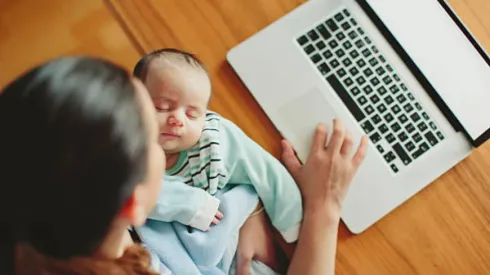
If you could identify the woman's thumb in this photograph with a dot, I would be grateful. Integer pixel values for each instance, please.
(290, 160)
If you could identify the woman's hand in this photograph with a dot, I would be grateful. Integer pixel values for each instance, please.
(329, 169)
(256, 241)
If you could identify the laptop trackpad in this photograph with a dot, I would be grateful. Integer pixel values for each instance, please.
(302, 115)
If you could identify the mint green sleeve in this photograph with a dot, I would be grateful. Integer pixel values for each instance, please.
(185, 204)
(248, 163)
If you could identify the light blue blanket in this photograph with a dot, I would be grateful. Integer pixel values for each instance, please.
(191, 251)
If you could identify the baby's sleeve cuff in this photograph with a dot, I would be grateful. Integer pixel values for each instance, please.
(291, 234)
(205, 212)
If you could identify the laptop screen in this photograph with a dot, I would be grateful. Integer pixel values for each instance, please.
(442, 52)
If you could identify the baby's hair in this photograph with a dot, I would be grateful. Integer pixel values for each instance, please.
(141, 68)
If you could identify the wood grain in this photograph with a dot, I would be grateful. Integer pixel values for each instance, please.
(33, 31)
(445, 229)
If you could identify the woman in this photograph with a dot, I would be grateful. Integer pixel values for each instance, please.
(80, 163)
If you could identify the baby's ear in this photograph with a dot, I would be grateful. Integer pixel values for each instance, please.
(133, 210)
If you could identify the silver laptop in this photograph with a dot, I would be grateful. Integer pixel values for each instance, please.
(406, 73)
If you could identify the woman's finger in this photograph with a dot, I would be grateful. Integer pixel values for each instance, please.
(320, 139)
(360, 153)
(290, 160)
(337, 138)
(347, 145)
(215, 221)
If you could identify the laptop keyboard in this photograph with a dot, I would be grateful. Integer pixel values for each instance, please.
(387, 111)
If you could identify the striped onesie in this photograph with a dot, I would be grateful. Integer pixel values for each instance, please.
(226, 155)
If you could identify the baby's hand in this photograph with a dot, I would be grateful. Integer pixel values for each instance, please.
(217, 217)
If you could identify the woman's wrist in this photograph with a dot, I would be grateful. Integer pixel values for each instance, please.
(327, 213)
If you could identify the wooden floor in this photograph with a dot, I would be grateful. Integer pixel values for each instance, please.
(445, 229)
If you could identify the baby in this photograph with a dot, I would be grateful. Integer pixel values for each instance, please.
(206, 152)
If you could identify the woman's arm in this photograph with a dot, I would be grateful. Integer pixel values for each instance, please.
(323, 180)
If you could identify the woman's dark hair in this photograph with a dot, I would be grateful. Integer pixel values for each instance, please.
(73, 146)
(141, 68)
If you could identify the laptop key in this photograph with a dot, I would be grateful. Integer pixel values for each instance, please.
(380, 148)
(401, 98)
(367, 40)
(309, 49)
(367, 126)
(404, 87)
(375, 50)
(376, 119)
(433, 125)
(394, 89)
(417, 105)
(353, 22)
(316, 58)
(425, 115)
(340, 36)
(320, 45)
(353, 35)
(408, 107)
(403, 118)
(359, 44)
(347, 45)
(367, 90)
(362, 100)
(431, 138)
(422, 126)
(345, 97)
(333, 44)
(348, 82)
(346, 62)
(417, 137)
(302, 40)
(390, 138)
(389, 100)
(366, 53)
(354, 54)
(369, 110)
(354, 71)
(396, 77)
(440, 135)
(415, 117)
(405, 158)
(339, 17)
(368, 72)
(373, 62)
(361, 63)
(331, 25)
(396, 109)
(383, 128)
(396, 127)
(375, 137)
(389, 118)
(422, 149)
(341, 72)
(355, 91)
(340, 53)
(334, 63)
(327, 54)
(394, 168)
(346, 12)
(387, 80)
(361, 80)
(382, 90)
(389, 68)
(313, 35)
(389, 157)
(323, 32)
(382, 58)
(410, 96)
(410, 128)
(381, 108)
(346, 26)
(361, 31)
(410, 146)
(323, 68)
(375, 81)
(402, 136)
(374, 98)
(380, 71)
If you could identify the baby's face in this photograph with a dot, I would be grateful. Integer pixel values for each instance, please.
(180, 94)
